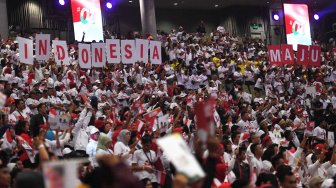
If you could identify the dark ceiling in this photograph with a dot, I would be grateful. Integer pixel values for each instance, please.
(217, 4)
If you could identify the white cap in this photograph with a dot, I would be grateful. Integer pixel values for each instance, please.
(93, 130)
(66, 151)
(173, 105)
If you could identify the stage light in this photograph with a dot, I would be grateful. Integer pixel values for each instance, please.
(61, 2)
(316, 17)
(109, 5)
(276, 16)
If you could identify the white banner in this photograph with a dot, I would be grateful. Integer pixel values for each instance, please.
(142, 50)
(26, 50)
(84, 55)
(98, 54)
(61, 52)
(113, 50)
(155, 52)
(42, 47)
(128, 51)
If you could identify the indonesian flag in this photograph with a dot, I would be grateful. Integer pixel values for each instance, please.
(137, 106)
(161, 176)
(151, 116)
(217, 119)
(244, 137)
(139, 124)
(187, 121)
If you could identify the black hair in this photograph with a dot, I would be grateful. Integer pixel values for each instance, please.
(19, 127)
(239, 183)
(146, 140)
(283, 171)
(253, 148)
(268, 154)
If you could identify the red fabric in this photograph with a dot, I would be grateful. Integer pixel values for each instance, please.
(220, 171)
(99, 124)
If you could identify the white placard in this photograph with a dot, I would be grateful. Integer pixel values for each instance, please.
(179, 154)
(141, 50)
(61, 52)
(98, 54)
(26, 50)
(128, 51)
(155, 52)
(42, 47)
(84, 55)
(113, 51)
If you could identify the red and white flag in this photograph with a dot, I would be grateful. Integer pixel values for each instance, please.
(151, 116)
(161, 177)
(139, 124)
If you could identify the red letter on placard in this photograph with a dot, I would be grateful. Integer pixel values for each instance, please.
(60, 54)
(156, 53)
(42, 47)
(26, 51)
(128, 51)
(287, 54)
(85, 56)
(274, 55)
(112, 50)
(141, 51)
(302, 56)
(315, 56)
(98, 54)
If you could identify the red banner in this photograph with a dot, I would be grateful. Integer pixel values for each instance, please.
(287, 54)
(274, 55)
(315, 56)
(302, 56)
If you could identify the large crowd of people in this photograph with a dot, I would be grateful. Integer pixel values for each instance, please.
(270, 132)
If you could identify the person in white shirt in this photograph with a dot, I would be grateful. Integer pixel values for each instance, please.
(319, 133)
(91, 148)
(122, 149)
(143, 162)
(104, 142)
(320, 167)
(256, 164)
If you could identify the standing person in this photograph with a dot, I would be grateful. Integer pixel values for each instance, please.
(91, 148)
(5, 177)
(256, 164)
(143, 163)
(122, 149)
(38, 120)
(104, 142)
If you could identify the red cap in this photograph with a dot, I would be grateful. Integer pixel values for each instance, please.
(99, 124)
(321, 147)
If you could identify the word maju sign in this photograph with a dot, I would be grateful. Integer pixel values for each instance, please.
(91, 55)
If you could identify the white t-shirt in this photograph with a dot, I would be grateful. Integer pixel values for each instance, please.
(122, 150)
(141, 159)
(319, 133)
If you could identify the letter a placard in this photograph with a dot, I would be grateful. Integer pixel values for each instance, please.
(155, 52)
(287, 54)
